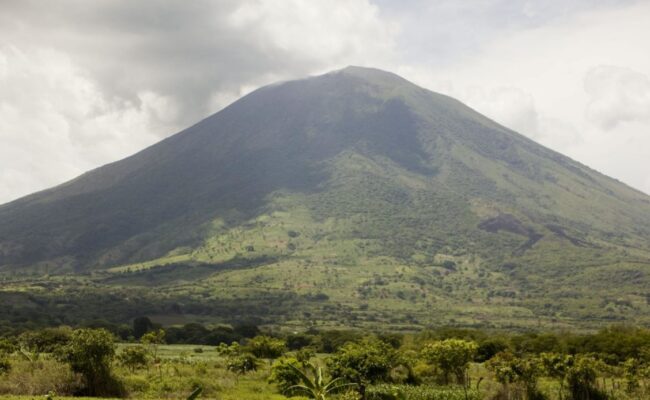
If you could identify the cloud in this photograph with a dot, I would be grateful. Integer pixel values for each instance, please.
(85, 83)
(55, 123)
(545, 80)
(510, 106)
(617, 95)
(190, 51)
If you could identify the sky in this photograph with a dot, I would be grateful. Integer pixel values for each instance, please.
(84, 83)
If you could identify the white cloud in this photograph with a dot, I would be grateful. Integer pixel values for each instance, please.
(617, 95)
(510, 106)
(334, 30)
(82, 88)
(55, 123)
(547, 81)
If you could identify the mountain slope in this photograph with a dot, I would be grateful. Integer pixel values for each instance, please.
(352, 173)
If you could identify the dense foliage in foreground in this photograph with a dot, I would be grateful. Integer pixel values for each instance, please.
(445, 364)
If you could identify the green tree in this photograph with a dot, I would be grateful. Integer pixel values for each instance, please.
(363, 363)
(489, 348)
(153, 340)
(45, 340)
(266, 347)
(522, 372)
(141, 325)
(7, 347)
(581, 378)
(133, 357)
(5, 364)
(229, 350)
(90, 353)
(631, 371)
(556, 366)
(451, 356)
(284, 375)
(242, 363)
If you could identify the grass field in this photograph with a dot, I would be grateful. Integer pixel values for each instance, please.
(182, 368)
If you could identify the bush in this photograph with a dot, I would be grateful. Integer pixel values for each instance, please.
(25, 378)
(222, 335)
(581, 379)
(331, 341)
(283, 375)
(134, 357)
(152, 340)
(366, 362)
(452, 356)
(242, 363)
(7, 347)
(423, 392)
(297, 341)
(90, 353)
(517, 375)
(231, 350)
(5, 365)
(489, 348)
(266, 347)
(46, 340)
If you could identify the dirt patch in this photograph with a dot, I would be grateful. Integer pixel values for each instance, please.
(559, 232)
(504, 222)
(510, 223)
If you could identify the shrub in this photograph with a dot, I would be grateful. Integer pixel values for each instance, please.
(489, 348)
(266, 347)
(283, 375)
(7, 347)
(366, 362)
(242, 363)
(297, 341)
(229, 351)
(5, 364)
(46, 340)
(90, 353)
(304, 355)
(35, 380)
(152, 340)
(134, 357)
(423, 392)
(523, 373)
(141, 325)
(631, 372)
(581, 379)
(452, 356)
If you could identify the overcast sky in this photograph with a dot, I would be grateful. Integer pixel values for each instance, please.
(84, 83)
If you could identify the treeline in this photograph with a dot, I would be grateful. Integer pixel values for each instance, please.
(613, 363)
(613, 344)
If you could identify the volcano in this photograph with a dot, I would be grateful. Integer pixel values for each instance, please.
(355, 185)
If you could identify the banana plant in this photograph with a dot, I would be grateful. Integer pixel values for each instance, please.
(316, 388)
